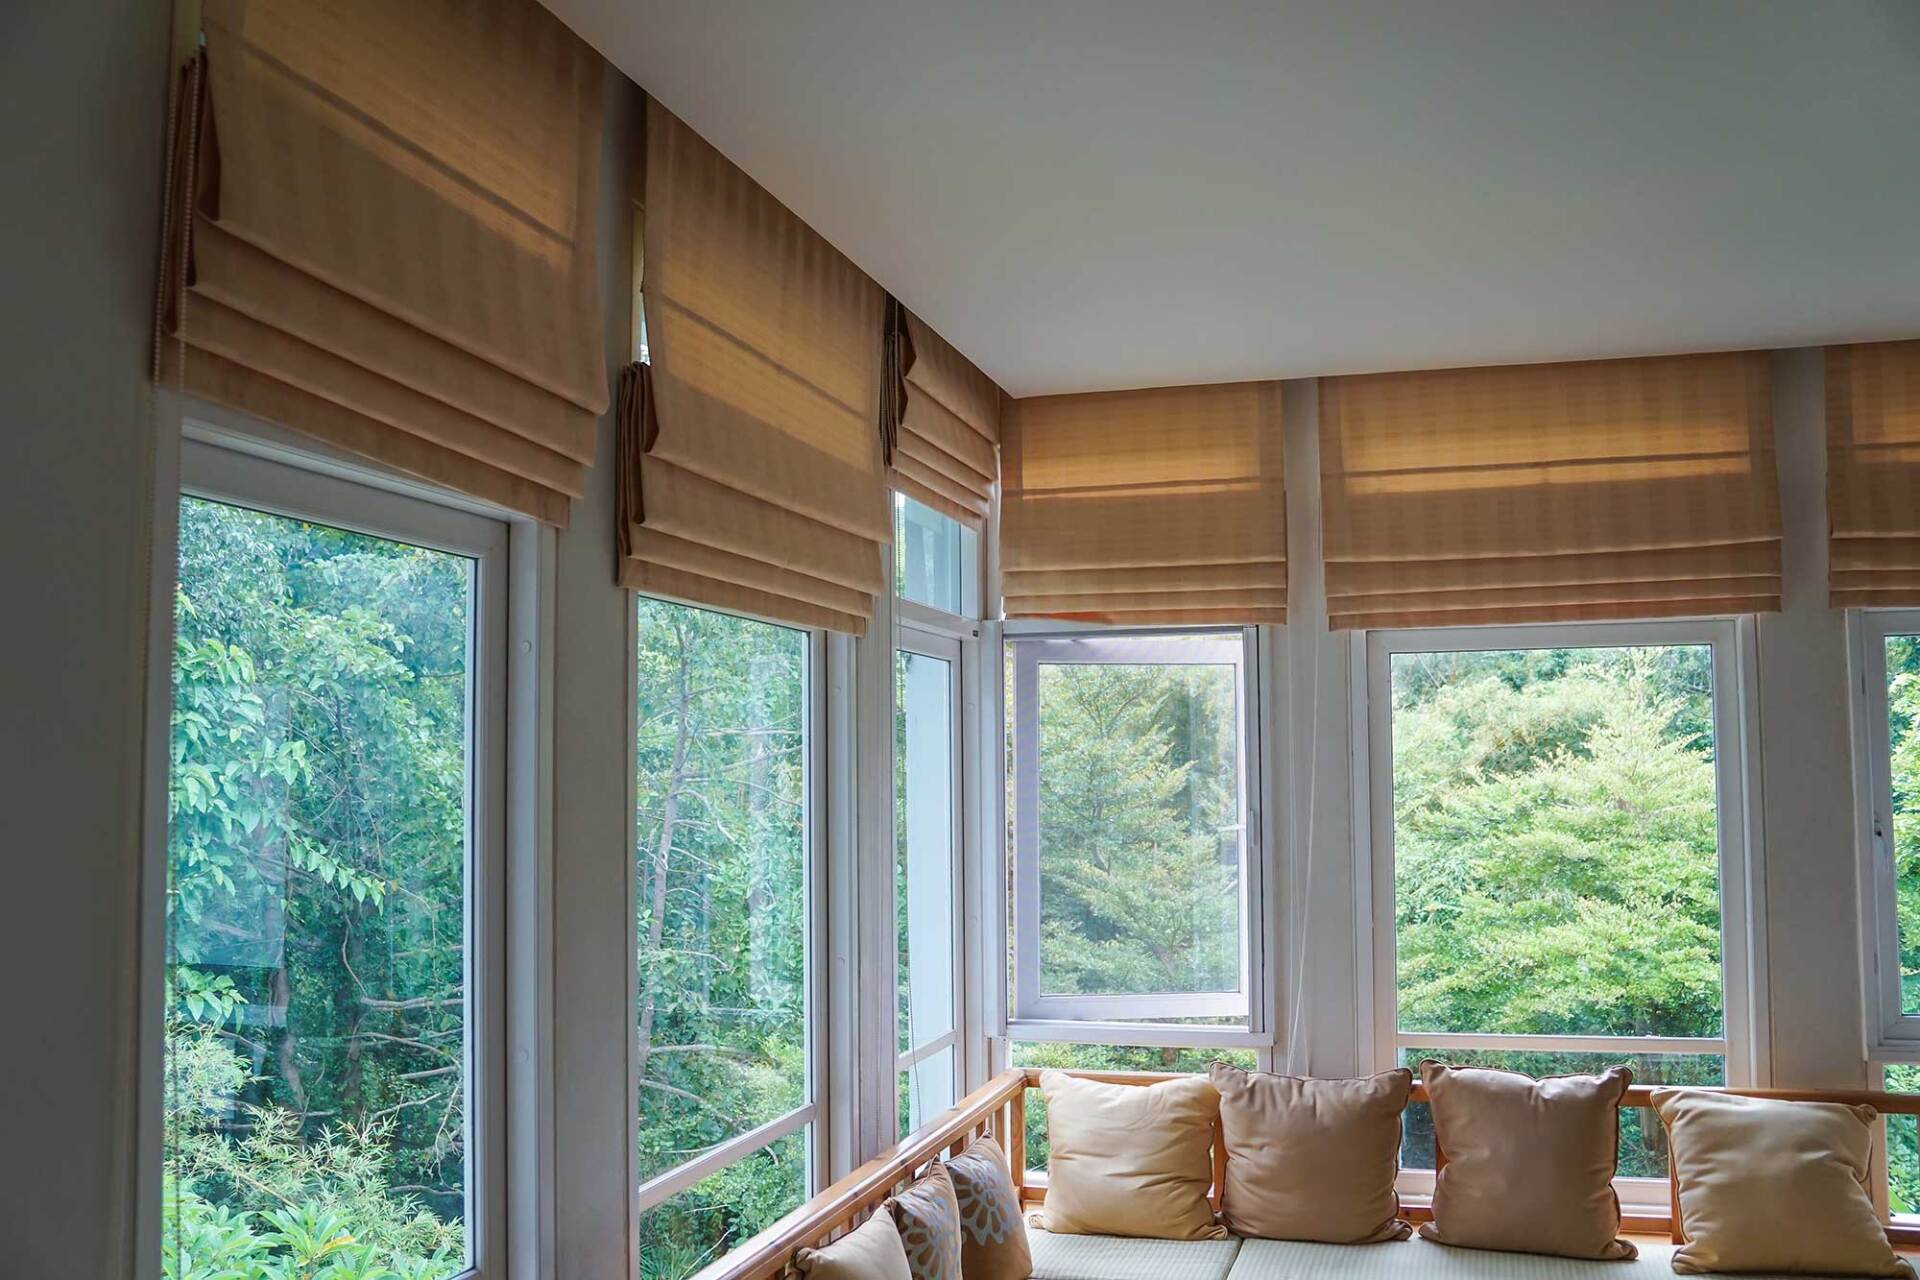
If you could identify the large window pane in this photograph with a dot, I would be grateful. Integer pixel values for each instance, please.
(317, 1025)
(1903, 713)
(1556, 864)
(1135, 775)
(722, 909)
(1903, 1143)
(924, 832)
(926, 864)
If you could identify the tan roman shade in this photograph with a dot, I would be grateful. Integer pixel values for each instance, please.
(387, 212)
(1542, 493)
(751, 475)
(946, 452)
(1159, 506)
(1873, 473)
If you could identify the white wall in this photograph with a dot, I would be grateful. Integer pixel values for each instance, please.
(80, 173)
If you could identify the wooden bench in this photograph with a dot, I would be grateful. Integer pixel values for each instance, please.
(999, 1109)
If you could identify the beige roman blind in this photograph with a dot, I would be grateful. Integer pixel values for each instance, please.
(751, 472)
(386, 216)
(1159, 506)
(1539, 493)
(1873, 473)
(946, 452)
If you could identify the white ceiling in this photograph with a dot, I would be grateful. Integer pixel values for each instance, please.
(1088, 194)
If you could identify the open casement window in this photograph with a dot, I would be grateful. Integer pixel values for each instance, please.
(336, 846)
(1560, 876)
(1134, 877)
(727, 917)
(1887, 743)
(927, 882)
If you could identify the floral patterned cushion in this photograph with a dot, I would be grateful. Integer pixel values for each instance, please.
(928, 1216)
(993, 1240)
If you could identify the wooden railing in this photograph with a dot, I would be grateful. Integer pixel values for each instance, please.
(999, 1109)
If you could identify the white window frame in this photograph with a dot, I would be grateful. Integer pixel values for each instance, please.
(946, 648)
(815, 1110)
(1891, 1035)
(210, 453)
(1115, 1019)
(1735, 702)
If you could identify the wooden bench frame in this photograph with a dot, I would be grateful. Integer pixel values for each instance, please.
(998, 1109)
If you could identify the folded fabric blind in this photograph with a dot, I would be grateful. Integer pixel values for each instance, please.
(1538, 493)
(751, 471)
(381, 235)
(946, 452)
(1873, 473)
(1159, 506)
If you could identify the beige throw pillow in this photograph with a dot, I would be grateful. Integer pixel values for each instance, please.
(993, 1241)
(871, 1251)
(1130, 1160)
(1767, 1185)
(1312, 1159)
(1529, 1163)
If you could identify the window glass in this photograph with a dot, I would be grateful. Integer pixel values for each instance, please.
(1903, 712)
(927, 1088)
(721, 911)
(1903, 1143)
(1136, 846)
(926, 866)
(932, 556)
(1103, 1057)
(1556, 856)
(318, 856)
(685, 1233)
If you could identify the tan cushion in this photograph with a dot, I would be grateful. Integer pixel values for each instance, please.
(928, 1216)
(1767, 1185)
(1312, 1159)
(1529, 1163)
(993, 1241)
(871, 1251)
(1130, 1160)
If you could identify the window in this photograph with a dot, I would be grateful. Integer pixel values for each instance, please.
(1133, 879)
(334, 842)
(927, 879)
(936, 557)
(1888, 663)
(1559, 856)
(725, 895)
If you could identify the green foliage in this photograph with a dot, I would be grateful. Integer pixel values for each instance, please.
(1139, 882)
(1555, 849)
(315, 903)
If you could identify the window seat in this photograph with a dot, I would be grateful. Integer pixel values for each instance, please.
(1064, 1257)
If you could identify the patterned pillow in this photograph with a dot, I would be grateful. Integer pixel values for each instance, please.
(928, 1216)
(993, 1241)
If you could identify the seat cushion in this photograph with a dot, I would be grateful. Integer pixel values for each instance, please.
(1079, 1257)
(1419, 1259)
